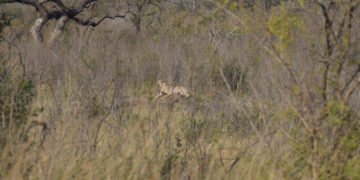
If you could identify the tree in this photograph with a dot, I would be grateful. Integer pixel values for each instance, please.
(325, 111)
(319, 95)
(62, 13)
(139, 8)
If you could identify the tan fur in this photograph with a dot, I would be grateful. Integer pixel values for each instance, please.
(182, 91)
(166, 90)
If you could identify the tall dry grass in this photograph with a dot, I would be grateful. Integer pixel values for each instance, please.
(94, 89)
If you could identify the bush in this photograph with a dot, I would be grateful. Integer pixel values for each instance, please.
(16, 95)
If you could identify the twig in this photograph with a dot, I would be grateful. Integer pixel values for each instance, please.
(22, 64)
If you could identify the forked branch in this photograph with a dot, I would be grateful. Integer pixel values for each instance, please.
(336, 57)
(62, 14)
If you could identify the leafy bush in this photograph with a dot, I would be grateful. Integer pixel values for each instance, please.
(16, 95)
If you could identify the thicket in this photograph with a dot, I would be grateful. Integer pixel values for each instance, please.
(274, 92)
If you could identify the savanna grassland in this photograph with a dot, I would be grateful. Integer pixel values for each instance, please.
(274, 89)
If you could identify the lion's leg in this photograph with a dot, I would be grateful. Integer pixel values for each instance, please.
(185, 93)
(158, 96)
(166, 96)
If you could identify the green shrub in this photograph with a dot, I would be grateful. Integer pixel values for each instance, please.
(16, 95)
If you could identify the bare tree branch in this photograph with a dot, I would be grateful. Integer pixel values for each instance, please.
(59, 29)
(62, 14)
(276, 54)
(22, 64)
(351, 90)
(340, 30)
(61, 6)
(344, 52)
(90, 22)
(36, 29)
(8, 1)
(329, 50)
(83, 5)
(352, 78)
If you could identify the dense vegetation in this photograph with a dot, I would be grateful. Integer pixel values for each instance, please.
(274, 89)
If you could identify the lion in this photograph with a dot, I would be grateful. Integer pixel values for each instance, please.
(166, 90)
